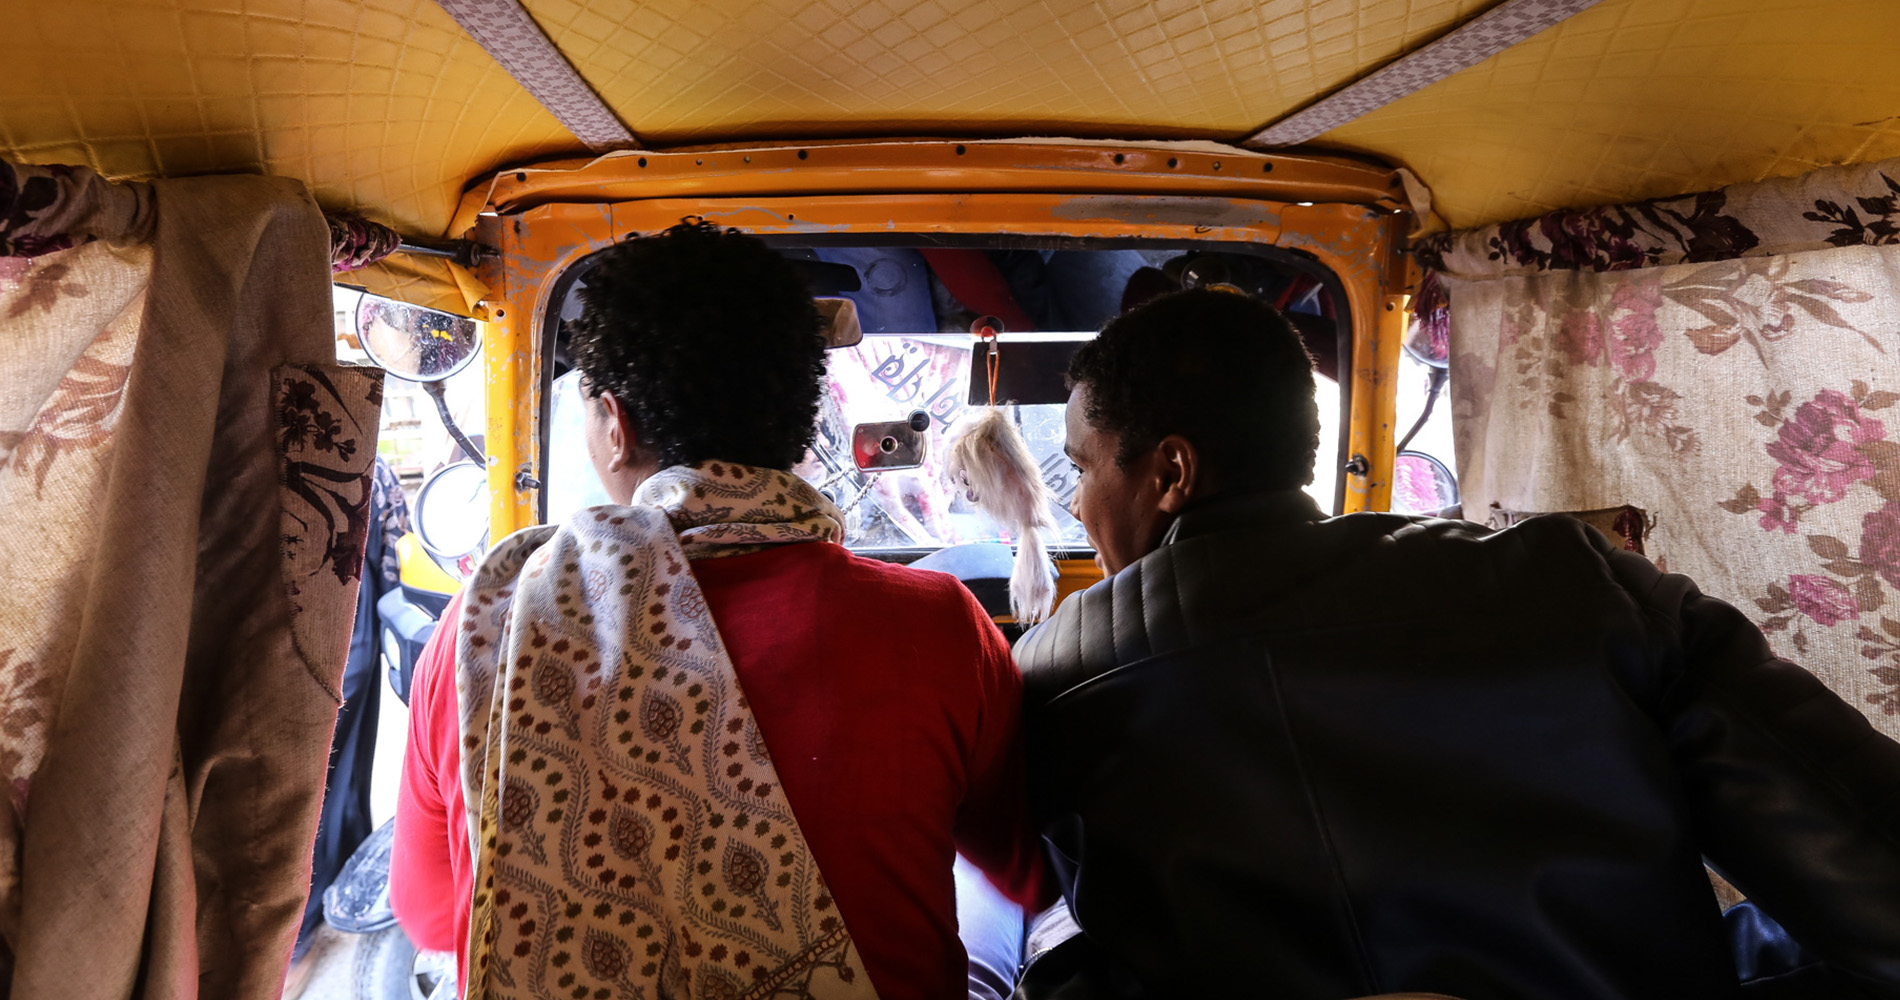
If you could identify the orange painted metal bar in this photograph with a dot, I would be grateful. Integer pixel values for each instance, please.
(1085, 216)
(508, 363)
(536, 247)
(1359, 245)
(1371, 433)
(917, 166)
(550, 217)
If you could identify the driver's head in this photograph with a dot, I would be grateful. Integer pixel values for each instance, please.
(695, 344)
(1192, 394)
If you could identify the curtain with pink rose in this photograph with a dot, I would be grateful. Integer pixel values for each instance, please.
(1727, 361)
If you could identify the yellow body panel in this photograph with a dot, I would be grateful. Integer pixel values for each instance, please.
(420, 571)
(1074, 576)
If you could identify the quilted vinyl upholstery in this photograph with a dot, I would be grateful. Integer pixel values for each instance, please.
(1636, 99)
(692, 70)
(387, 107)
(379, 105)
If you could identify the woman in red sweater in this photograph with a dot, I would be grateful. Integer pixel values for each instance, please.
(886, 698)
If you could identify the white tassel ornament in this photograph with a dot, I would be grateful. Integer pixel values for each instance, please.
(989, 457)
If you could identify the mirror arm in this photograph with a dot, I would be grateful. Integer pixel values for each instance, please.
(435, 389)
(1438, 376)
(467, 253)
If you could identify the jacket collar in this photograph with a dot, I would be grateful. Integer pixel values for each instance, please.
(1244, 510)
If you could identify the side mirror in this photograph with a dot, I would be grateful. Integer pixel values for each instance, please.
(1427, 346)
(452, 517)
(413, 343)
(1422, 484)
(842, 327)
(890, 445)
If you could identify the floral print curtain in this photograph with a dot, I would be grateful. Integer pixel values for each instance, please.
(184, 482)
(1727, 361)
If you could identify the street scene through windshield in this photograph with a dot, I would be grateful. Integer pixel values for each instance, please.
(917, 309)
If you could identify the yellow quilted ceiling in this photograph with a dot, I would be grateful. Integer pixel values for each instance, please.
(695, 71)
(380, 104)
(1648, 98)
(387, 106)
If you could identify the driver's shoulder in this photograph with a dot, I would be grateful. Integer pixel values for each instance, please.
(1247, 577)
(917, 593)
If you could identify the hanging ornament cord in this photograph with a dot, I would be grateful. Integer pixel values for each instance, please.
(994, 360)
(989, 457)
(834, 477)
(870, 481)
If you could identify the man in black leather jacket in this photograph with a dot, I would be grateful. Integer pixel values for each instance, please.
(1277, 754)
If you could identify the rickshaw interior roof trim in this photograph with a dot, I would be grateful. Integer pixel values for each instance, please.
(1461, 48)
(506, 32)
(390, 108)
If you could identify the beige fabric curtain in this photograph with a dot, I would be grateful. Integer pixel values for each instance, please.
(184, 483)
(1730, 363)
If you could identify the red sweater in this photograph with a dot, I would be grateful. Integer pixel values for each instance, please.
(892, 710)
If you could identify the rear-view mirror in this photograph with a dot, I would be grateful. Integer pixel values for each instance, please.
(827, 278)
(1422, 484)
(842, 328)
(890, 444)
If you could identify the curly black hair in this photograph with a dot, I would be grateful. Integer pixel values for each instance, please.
(710, 341)
(1221, 369)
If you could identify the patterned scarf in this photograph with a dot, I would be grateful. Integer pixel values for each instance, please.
(631, 836)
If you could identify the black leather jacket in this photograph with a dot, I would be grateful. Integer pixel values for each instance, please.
(1294, 757)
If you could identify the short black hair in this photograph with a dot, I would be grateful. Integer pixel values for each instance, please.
(711, 342)
(1219, 368)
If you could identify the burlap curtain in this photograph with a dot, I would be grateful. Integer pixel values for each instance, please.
(183, 487)
(1727, 361)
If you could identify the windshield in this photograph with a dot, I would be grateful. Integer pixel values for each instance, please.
(887, 377)
(917, 354)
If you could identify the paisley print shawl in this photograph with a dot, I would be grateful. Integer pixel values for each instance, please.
(631, 837)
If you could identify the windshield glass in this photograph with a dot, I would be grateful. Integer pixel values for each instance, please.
(887, 377)
(917, 308)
